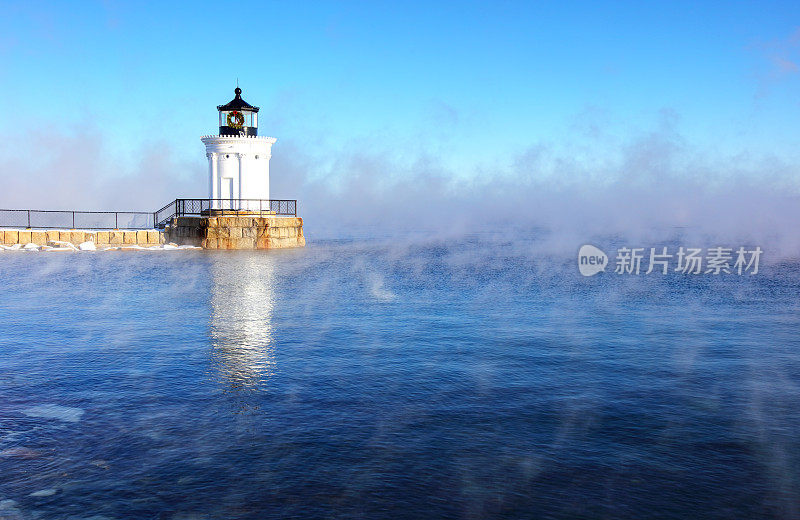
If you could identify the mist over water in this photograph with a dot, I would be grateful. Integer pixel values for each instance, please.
(443, 378)
(644, 185)
(433, 353)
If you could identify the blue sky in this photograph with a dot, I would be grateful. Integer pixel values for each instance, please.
(469, 83)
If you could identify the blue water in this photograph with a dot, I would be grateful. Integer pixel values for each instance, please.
(442, 379)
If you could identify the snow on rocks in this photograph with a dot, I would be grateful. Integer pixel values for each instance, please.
(59, 243)
(32, 248)
(58, 246)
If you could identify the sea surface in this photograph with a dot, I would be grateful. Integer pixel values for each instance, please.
(461, 378)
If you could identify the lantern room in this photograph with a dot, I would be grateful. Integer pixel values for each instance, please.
(238, 118)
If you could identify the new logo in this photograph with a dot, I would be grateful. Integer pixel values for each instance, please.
(591, 260)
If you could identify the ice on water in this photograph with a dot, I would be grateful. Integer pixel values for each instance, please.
(55, 411)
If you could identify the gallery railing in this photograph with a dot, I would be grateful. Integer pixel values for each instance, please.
(204, 207)
(58, 219)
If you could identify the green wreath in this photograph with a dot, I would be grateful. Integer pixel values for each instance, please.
(235, 119)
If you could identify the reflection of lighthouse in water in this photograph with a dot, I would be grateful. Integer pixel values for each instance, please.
(242, 302)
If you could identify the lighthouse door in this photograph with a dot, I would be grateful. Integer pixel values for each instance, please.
(226, 193)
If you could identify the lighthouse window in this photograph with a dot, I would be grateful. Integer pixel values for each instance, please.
(230, 118)
(256, 157)
(227, 156)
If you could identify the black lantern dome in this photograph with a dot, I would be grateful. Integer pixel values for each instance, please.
(238, 118)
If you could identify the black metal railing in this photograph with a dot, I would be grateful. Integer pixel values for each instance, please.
(58, 219)
(55, 219)
(204, 207)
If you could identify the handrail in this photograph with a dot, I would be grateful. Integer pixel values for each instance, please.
(203, 207)
(73, 219)
(69, 219)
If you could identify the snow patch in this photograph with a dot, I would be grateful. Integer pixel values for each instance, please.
(60, 243)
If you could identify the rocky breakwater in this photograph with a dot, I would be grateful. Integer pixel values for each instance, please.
(240, 231)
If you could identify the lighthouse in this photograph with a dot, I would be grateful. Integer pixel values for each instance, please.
(238, 159)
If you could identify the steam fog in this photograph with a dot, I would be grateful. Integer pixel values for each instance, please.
(650, 186)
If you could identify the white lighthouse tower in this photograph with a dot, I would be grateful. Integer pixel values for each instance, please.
(238, 159)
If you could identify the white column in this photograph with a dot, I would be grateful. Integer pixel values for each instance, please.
(266, 178)
(214, 180)
(240, 187)
(210, 176)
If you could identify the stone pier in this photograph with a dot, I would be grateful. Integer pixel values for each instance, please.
(242, 230)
